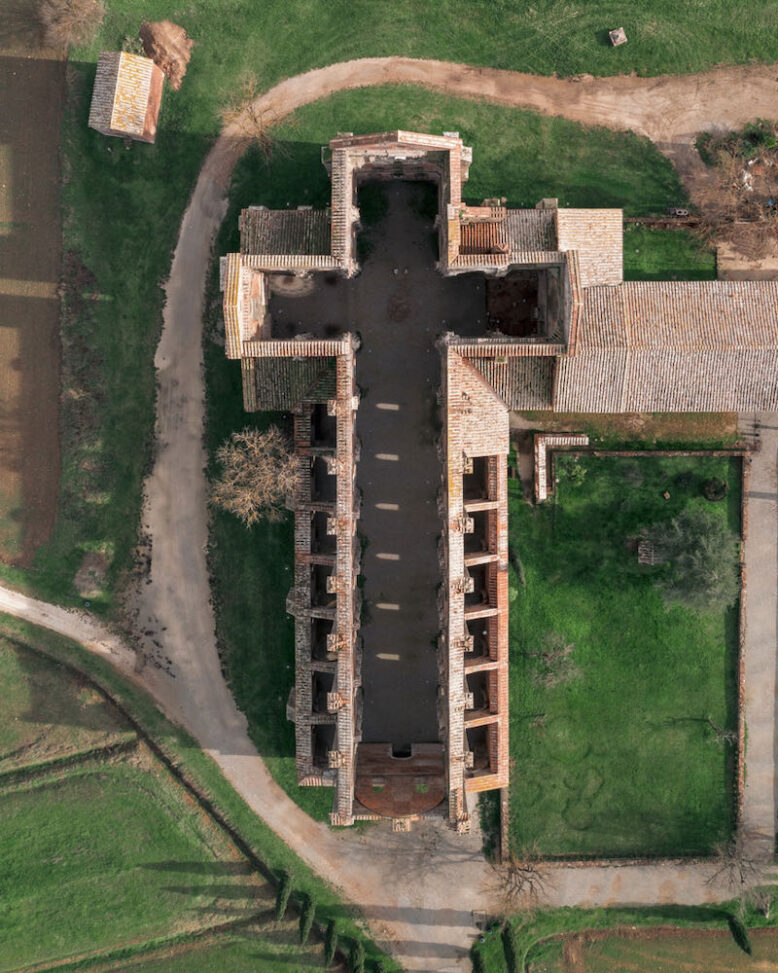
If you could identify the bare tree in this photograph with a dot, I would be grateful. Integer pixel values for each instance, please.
(246, 120)
(258, 472)
(522, 881)
(70, 22)
(738, 869)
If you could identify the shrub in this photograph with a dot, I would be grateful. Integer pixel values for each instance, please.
(357, 957)
(330, 942)
(479, 965)
(282, 895)
(739, 934)
(69, 22)
(700, 552)
(714, 489)
(307, 914)
(510, 945)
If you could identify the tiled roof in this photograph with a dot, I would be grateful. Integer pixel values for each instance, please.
(693, 316)
(530, 229)
(670, 380)
(283, 383)
(265, 231)
(523, 383)
(597, 235)
(483, 238)
(674, 347)
(120, 97)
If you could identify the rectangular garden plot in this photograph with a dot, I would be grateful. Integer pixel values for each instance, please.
(624, 653)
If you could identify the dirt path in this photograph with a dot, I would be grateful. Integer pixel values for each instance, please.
(761, 638)
(404, 883)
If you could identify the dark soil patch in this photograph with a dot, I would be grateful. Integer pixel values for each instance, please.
(31, 88)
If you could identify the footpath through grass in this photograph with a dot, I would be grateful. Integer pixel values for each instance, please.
(517, 154)
(142, 865)
(616, 742)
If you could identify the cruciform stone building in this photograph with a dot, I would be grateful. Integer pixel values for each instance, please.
(557, 329)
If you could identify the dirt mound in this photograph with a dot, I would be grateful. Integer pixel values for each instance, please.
(169, 48)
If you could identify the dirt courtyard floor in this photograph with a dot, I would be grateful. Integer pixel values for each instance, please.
(31, 87)
(400, 305)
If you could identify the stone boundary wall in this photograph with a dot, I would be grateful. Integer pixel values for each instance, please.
(543, 443)
(744, 454)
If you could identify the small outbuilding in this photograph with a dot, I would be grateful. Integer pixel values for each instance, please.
(618, 36)
(126, 96)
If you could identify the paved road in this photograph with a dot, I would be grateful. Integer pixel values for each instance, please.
(417, 891)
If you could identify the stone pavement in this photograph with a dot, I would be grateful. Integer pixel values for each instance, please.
(761, 637)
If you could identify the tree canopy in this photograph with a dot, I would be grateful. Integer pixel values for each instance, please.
(257, 475)
(699, 553)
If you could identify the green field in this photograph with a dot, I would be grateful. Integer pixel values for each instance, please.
(528, 157)
(105, 858)
(651, 254)
(611, 751)
(121, 846)
(253, 948)
(692, 952)
(50, 714)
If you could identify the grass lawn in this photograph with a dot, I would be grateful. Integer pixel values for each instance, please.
(615, 758)
(49, 714)
(140, 865)
(121, 845)
(254, 947)
(711, 953)
(651, 254)
(531, 157)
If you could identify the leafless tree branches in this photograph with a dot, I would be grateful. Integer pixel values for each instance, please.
(258, 471)
(69, 22)
(522, 881)
(247, 122)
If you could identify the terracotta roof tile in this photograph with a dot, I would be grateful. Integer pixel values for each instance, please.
(265, 231)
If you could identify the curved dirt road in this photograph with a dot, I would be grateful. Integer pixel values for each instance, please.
(418, 890)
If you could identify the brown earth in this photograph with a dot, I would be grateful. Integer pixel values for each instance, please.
(31, 87)
(169, 48)
(661, 427)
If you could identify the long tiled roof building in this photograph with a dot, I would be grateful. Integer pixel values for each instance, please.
(588, 342)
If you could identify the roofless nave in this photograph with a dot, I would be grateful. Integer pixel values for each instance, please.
(524, 309)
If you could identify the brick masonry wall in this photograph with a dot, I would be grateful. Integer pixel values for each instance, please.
(476, 425)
